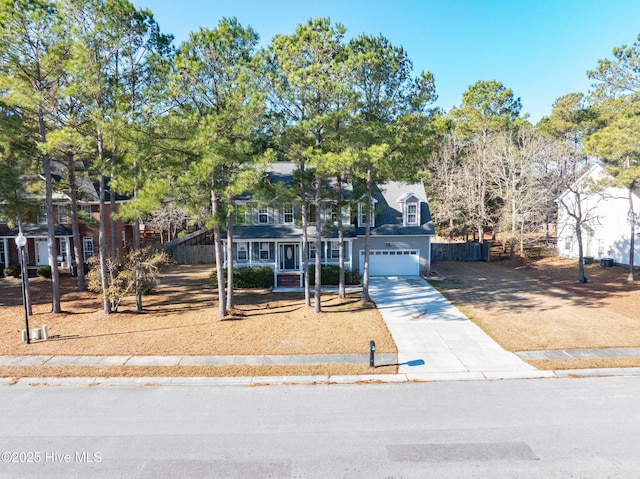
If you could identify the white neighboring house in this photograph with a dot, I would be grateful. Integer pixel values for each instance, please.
(606, 228)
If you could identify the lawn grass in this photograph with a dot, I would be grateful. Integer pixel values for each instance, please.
(181, 319)
(540, 305)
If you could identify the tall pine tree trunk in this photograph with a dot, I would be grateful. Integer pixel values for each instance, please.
(318, 242)
(75, 224)
(367, 234)
(112, 209)
(230, 296)
(219, 252)
(305, 236)
(632, 237)
(341, 283)
(51, 233)
(102, 243)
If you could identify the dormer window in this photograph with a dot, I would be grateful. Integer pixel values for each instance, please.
(410, 207)
(412, 213)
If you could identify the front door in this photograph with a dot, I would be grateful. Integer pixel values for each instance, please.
(289, 257)
(42, 252)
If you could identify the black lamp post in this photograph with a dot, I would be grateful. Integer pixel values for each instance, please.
(21, 242)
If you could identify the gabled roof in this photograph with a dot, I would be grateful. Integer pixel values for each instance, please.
(594, 171)
(407, 196)
(387, 197)
(388, 218)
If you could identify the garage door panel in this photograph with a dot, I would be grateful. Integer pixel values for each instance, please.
(392, 262)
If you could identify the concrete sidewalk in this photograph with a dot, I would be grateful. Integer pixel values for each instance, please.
(258, 360)
(437, 342)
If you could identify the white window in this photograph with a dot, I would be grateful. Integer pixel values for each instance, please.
(312, 251)
(64, 245)
(362, 215)
(242, 251)
(334, 213)
(87, 247)
(42, 215)
(287, 214)
(86, 209)
(265, 252)
(412, 213)
(63, 214)
(263, 215)
(243, 215)
(335, 249)
(567, 243)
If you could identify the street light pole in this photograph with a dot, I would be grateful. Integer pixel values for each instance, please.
(21, 242)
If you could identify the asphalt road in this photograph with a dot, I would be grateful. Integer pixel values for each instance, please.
(580, 428)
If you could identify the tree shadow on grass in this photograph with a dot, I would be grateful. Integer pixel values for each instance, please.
(121, 333)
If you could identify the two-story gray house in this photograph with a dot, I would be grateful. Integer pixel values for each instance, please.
(271, 233)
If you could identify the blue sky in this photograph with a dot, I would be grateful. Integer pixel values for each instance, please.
(541, 49)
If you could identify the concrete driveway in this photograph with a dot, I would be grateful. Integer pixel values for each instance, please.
(435, 341)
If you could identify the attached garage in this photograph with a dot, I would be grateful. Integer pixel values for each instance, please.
(392, 262)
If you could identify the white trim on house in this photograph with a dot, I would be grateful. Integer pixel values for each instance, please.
(87, 247)
(362, 220)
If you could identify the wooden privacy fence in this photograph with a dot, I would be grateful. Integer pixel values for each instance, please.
(196, 254)
(470, 251)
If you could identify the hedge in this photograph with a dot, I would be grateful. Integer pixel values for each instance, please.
(44, 271)
(12, 270)
(250, 277)
(330, 275)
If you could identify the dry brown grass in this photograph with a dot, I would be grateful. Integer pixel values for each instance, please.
(192, 371)
(531, 306)
(626, 362)
(541, 305)
(182, 319)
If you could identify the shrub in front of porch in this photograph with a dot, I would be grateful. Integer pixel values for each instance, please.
(330, 275)
(44, 271)
(13, 270)
(248, 277)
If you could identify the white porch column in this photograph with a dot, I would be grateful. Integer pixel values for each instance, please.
(350, 255)
(276, 265)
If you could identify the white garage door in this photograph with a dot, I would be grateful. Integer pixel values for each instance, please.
(392, 262)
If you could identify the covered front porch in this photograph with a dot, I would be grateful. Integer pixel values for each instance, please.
(285, 257)
(37, 247)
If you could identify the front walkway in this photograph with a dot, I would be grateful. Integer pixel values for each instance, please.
(435, 341)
